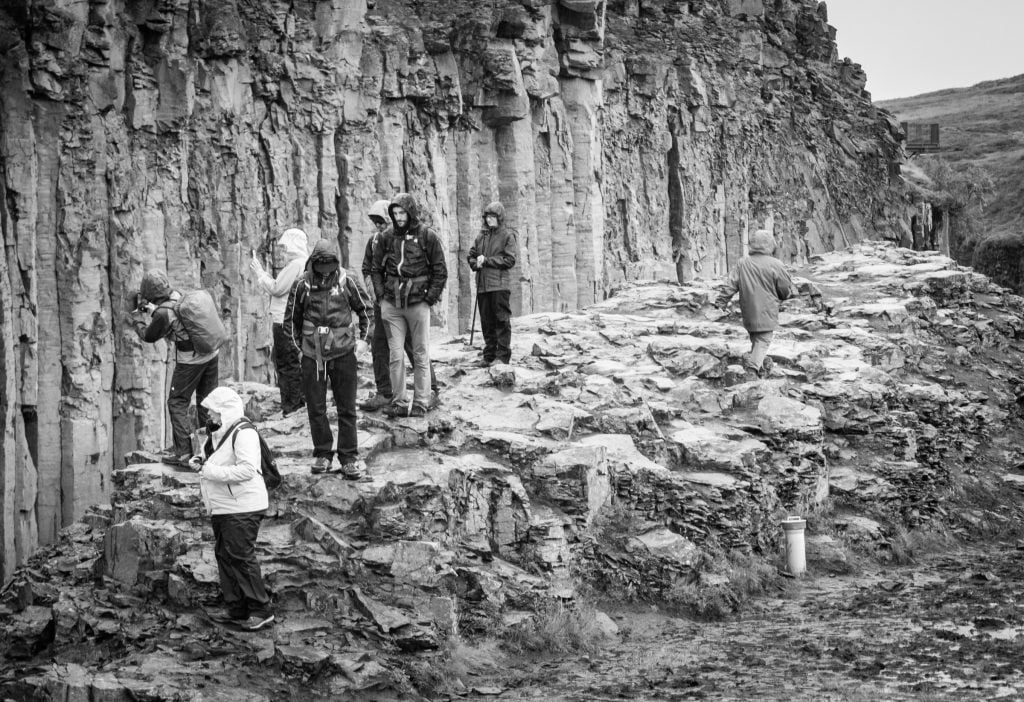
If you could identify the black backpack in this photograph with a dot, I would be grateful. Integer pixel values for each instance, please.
(268, 463)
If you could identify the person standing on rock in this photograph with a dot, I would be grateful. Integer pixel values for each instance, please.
(292, 245)
(379, 341)
(762, 282)
(492, 256)
(194, 372)
(319, 319)
(409, 274)
(235, 496)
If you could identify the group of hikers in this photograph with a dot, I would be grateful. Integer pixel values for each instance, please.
(319, 315)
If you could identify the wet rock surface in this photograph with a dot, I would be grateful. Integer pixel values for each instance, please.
(613, 464)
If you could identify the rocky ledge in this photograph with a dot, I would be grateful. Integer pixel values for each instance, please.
(622, 450)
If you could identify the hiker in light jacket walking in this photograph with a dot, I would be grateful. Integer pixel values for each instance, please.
(292, 247)
(235, 496)
(762, 283)
(492, 256)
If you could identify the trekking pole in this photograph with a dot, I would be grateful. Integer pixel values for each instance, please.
(472, 325)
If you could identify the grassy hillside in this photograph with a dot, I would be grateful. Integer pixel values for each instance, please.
(981, 125)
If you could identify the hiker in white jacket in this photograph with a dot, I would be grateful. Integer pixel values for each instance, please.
(235, 496)
(292, 250)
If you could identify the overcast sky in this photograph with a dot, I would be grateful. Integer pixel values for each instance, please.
(909, 47)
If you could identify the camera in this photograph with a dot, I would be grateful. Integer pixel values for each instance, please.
(139, 303)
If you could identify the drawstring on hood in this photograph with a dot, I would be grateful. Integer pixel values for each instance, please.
(762, 242)
(295, 243)
(229, 405)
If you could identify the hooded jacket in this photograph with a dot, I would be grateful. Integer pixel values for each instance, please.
(319, 311)
(762, 282)
(164, 323)
(498, 247)
(377, 209)
(294, 243)
(408, 265)
(230, 481)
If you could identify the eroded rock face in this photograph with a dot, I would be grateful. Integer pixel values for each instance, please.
(628, 142)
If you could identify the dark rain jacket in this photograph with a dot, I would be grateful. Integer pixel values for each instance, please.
(408, 264)
(164, 322)
(319, 311)
(498, 246)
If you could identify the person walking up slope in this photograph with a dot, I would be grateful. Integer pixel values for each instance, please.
(293, 243)
(319, 319)
(235, 496)
(409, 274)
(762, 282)
(492, 256)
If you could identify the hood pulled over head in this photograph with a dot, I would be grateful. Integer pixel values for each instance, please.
(227, 403)
(407, 203)
(295, 243)
(379, 209)
(155, 286)
(762, 242)
(496, 209)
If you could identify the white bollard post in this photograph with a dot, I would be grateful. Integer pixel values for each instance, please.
(796, 562)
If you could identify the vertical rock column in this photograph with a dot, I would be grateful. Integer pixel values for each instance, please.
(83, 265)
(582, 101)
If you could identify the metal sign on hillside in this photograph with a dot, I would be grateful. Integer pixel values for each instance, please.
(922, 137)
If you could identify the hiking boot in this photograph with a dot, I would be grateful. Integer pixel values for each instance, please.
(353, 470)
(397, 409)
(375, 403)
(766, 367)
(417, 410)
(321, 464)
(255, 623)
(483, 362)
(292, 410)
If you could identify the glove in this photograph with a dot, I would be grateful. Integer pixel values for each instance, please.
(480, 261)
(196, 463)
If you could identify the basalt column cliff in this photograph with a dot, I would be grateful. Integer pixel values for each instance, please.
(628, 140)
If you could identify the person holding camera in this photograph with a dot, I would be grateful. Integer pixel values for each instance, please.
(236, 499)
(194, 372)
(292, 247)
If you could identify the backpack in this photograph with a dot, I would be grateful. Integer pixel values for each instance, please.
(201, 320)
(268, 463)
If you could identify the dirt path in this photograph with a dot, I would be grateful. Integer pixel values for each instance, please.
(946, 629)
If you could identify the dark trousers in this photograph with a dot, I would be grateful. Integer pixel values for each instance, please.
(340, 374)
(289, 372)
(496, 324)
(241, 582)
(382, 357)
(188, 378)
